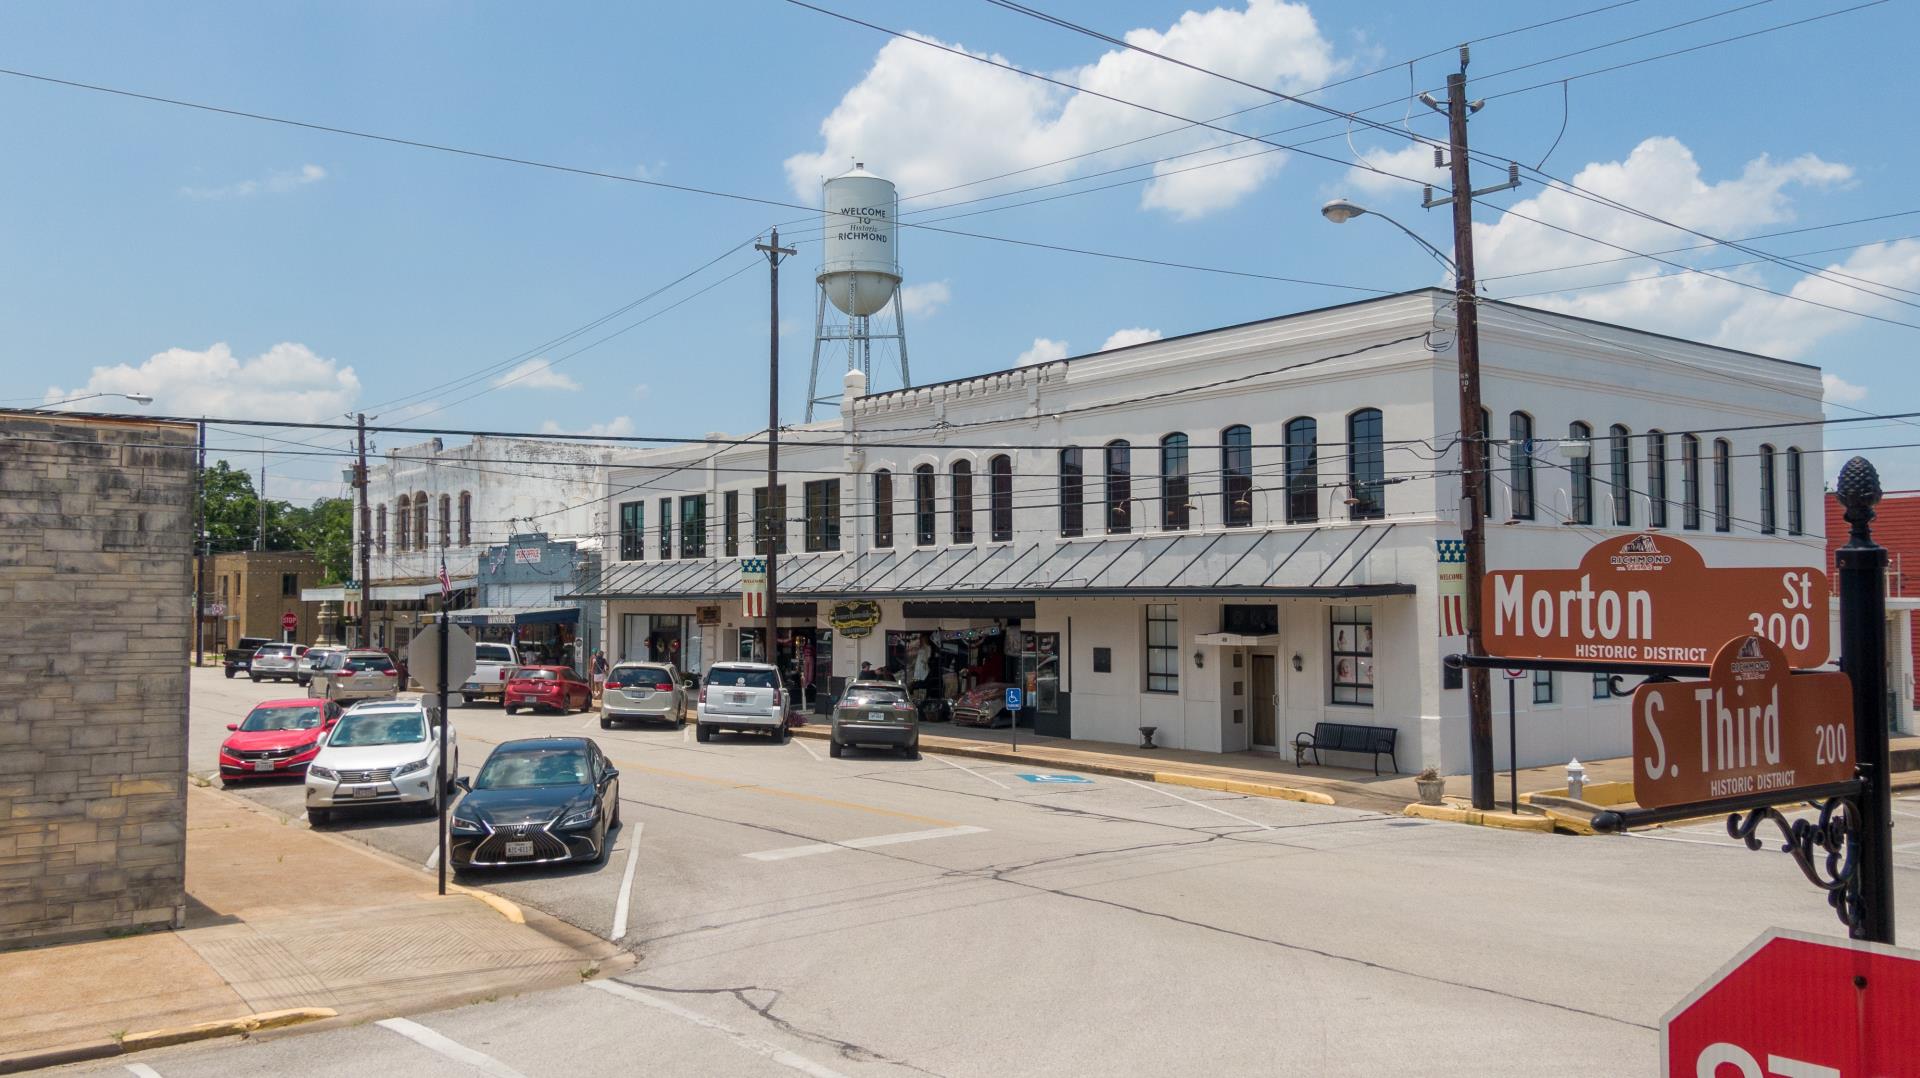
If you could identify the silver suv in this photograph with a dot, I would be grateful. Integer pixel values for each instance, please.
(636, 691)
(281, 662)
(743, 697)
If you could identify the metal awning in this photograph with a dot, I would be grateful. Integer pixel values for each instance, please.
(1331, 561)
(513, 615)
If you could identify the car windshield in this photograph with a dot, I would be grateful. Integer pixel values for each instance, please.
(293, 717)
(512, 769)
(375, 728)
(493, 653)
(359, 664)
(638, 675)
(741, 679)
(529, 674)
(269, 650)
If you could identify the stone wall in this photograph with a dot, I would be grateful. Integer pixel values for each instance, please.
(96, 519)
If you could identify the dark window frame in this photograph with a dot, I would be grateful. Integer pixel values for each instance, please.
(1796, 513)
(1620, 473)
(1769, 510)
(821, 500)
(1690, 482)
(1117, 460)
(1367, 464)
(770, 521)
(466, 518)
(1000, 499)
(693, 525)
(1236, 476)
(960, 501)
(1580, 475)
(1073, 492)
(730, 529)
(1353, 690)
(1722, 485)
(666, 529)
(1301, 436)
(633, 531)
(1175, 482)
(1162, 656)
(925, 505)
(883, 508)
(1520, 479)
(1656, 478)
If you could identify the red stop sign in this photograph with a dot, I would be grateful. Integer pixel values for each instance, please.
(289, 621)
(1798, 1006)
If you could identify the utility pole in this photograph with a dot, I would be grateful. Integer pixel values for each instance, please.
(366, 540)
(773, 521)
(1473, 446)
(200, 550)
(260, 502)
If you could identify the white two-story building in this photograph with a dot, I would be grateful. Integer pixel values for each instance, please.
(1227, 536)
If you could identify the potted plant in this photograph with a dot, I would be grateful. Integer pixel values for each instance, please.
(1431, 785)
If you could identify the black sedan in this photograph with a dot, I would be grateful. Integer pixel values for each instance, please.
(537, 801)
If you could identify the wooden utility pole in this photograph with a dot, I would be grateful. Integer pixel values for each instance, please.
(773, 523)
(200, 549)
(366, 540)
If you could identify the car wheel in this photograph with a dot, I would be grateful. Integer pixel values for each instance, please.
(911, 752)
(230, 673)
(616, 806)
(319, 817)
(255, 678)
(834, 750)
(606, 844)
(606, 723)
(506, 709)
(702, 732)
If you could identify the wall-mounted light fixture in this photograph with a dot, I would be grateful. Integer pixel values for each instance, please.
(1199, 660)
(1298, 664)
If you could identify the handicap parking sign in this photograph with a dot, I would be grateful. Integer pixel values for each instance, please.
(1014, 702)
(1055, 778)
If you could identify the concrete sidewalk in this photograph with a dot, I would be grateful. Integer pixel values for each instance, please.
(280, 918)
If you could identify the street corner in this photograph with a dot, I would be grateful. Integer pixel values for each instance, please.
(1503, 821)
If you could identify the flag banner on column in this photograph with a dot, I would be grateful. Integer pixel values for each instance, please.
(753, 587)
(1452, 588)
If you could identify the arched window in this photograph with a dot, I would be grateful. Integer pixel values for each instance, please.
(1795, 521)
(1580, 472)
(446, 521)
(420, 520)
(1619, 457)
(962, 473)
(380, 533)
(1690, 482)
(1366, 465)
(1520, 464)
(1119, 487)
(1173, 482)
(466, 518)
(1303, 470)
(1722, 485)
(883, 508)
(923, 505)
(1073, 495)
(1767, 518)
(1000, 505)
(1236, 475)
(1657, 478)
(403, 523)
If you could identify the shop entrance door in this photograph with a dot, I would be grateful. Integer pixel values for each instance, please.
(1265, 735)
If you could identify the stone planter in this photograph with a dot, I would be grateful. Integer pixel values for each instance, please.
(1430, 790)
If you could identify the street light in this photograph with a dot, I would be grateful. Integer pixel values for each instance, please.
(137, 398)
(1342, 210)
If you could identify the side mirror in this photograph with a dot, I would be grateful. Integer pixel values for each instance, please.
(463, 784)
(612, 773)
(233, 726)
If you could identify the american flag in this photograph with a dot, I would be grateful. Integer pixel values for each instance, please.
(446, 585)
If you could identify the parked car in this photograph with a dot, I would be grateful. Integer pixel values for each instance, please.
(356, 675)
(277, 739)
(983, 705)
(537, 801)
(315, 657)
(643, 691)
(384, 753)
(875, 713)
(239, 658)
(493, 665)
(741, 696)
(557, 687)
(278, 661)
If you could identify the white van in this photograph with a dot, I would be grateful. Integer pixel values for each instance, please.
(743, 697)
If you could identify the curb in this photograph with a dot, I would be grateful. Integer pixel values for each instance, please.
(1505, 821)
(160, 1038)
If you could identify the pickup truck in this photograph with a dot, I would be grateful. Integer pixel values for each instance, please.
(493, 665)
(238, 659)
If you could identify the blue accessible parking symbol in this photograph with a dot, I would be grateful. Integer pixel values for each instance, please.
(1055, 778)
(1014, 703)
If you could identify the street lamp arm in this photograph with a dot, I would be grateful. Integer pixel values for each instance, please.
(137, 398)
(1417, 238)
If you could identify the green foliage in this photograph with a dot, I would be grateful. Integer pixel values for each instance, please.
(233, 521)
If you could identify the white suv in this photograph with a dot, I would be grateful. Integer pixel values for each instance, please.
(383, 752)
(281, 662)
(743, 697)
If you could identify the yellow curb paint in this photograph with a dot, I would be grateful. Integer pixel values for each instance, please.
(500, 905)
(1502, 820)
(1571, 822)
(229, 1027)
(1234, 786)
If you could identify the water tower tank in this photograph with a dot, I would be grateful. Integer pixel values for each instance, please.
(861, 267)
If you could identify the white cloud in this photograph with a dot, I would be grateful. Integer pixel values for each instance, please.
(643, 391)
(275, 183)
(1384, 167)
(286, 381)
(1123, 337)
(928, 119)
(925, 300)
(536, 373)
(1840, 391)
(618, 426)
(1043, 351)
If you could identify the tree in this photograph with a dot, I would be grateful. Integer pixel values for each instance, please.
(232, 507)
(233, 521)
(326, 528)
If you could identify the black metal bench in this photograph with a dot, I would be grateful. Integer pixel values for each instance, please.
(1375, 741)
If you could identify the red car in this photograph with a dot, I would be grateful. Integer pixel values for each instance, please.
(277, 739)
(557, 687)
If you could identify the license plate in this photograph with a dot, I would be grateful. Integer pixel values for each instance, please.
(471, 685)
(263, 765)
(737, 697)
(365, 791)
(519, 849)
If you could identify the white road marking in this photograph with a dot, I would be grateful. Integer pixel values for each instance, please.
(860, 843)
(1729, 844)
(450, 1048)
(802, 742)
(588, 725)
(433, 859)
(141, 1070)
(626, 882)
(970, 771)
(779, 1055)
(1198, 804)
(686, 733)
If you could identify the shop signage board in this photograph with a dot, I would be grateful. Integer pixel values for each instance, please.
(526, 555)
(854, 618)
(1752, 727)
(1794, 1005)
(1651, 598)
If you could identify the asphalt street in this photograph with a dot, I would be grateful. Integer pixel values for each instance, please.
(876, 915)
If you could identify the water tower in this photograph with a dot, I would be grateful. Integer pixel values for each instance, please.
(859, 278)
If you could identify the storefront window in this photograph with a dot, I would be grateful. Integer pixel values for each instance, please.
(633, 530)
(923, 505)
(693, 526)
(769, 522)
(1040, 671)
(941, 665)
(730, 504)
(805, 659)
(1163, 647)
(883, 508)
(1352, 654)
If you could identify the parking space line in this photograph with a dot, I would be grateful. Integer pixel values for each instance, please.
(802, 742)
(626, 882)
(448, 1047)
(970, 771)
(1198, 804)
(791, 1060)
(812, 848)
(750, 787)
(141, 1070)
(686, 733)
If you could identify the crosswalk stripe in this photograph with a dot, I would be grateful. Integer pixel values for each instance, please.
(449, 1047)
(869, 841)
(791, 1060)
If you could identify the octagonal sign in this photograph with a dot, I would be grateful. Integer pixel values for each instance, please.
(1794, 1005)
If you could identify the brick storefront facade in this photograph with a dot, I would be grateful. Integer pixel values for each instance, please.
(253, 589)
(96, 519)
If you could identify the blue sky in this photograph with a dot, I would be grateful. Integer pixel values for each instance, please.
(276, 271)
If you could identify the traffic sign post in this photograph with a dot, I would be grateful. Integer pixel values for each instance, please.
(1015, 698)
(289, 621)
(442, 654)
(1513, 738)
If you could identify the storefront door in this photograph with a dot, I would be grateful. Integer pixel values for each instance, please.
(1265, 734)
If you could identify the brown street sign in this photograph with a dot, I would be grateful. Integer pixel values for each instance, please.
(1650, 598)
(1752, 727)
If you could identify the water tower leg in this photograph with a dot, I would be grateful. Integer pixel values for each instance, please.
(819, 324)
(900, 330)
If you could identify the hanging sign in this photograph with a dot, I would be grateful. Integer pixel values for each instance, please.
(1451, 588)
(854, 618)
(1752, 727)
(1650, 598)
(753, 587)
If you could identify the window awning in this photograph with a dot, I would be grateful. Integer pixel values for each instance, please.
(1331, 561)
(511, 615)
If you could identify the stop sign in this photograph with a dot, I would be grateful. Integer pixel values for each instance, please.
(1799, 1006)
(289, 621)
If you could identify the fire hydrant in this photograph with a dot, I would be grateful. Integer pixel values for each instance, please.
(1576, 780)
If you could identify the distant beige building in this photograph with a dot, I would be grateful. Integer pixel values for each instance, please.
(249, 591)
(96, 525)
